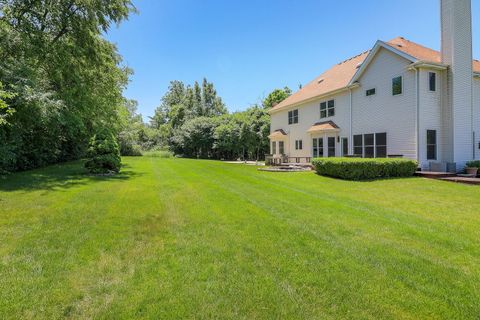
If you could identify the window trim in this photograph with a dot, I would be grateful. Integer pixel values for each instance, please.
(402, 87)
(327, 108)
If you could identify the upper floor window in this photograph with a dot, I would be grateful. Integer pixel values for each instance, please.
(397, 85)
(293, 116)
(432, 81)
(370, 92)
(327, 109)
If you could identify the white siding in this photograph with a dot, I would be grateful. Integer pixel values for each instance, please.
(457, 53)
(476, 115)
(308, 114)
(383, 112)
(430, 114)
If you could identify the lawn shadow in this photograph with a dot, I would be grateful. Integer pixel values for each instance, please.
(59, 176)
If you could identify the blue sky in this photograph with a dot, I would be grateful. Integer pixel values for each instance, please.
(248, 48)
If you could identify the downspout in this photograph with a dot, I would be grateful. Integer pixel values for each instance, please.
(417, 113)
(350, 136)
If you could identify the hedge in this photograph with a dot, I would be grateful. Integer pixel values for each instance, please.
(364, 168)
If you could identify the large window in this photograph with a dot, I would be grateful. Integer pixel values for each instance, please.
(293, 116)
(358, 145)
(327, 109)
(331, 146)
(381, 145)
(298, 144)
(431, 144)
(317, 144)
(281, 148)
(344, 146)
(274, 147)
(397, 85)
(370, 145)
(432, 81)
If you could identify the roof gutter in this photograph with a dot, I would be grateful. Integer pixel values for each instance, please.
(349, 87)
(427, 65)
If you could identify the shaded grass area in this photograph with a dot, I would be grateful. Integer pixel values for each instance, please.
(179, 238)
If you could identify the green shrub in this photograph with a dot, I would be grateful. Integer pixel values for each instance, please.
(103, 154)
(364, 169)
(159, 154)
(133, 150)
(473, 164)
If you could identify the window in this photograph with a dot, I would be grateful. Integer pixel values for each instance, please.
(432, 81)
(381, 145)
(358, 145)
(344, 146)
(317, 147)
(293, 116)
(397, 85)
(298, 145)
(327, 109)
(281, 147)
(331, 146)
(370, 92)
(274, 147)
(431, 144)
(369, 145)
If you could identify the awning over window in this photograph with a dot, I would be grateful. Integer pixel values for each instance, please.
(277, 134)
(326, 126)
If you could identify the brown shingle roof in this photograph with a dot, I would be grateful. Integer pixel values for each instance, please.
(277, 134)
(339, 76)
(323, 126)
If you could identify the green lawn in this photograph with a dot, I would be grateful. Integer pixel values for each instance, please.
(175, 238)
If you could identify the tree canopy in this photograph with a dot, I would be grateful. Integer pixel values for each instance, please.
(61, 79)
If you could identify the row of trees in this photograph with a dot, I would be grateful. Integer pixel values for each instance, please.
(193, 121)
(60, 80)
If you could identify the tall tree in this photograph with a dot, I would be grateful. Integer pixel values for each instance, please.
(67, 79)
(275, 97)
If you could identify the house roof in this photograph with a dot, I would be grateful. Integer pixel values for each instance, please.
(339, 76)
(277, 134)
(323, 126)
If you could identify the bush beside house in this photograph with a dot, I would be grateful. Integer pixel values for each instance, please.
(103, 154)
(364, 169)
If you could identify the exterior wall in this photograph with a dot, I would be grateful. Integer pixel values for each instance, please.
(457, 54)
(430, 114)
(476, 116)
(308, 114)
(383, 112)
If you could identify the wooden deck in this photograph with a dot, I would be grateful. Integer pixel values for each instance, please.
(435, 174)
(448, 176)
(467, 180)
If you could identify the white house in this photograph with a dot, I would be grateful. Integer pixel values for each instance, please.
(399, 98)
